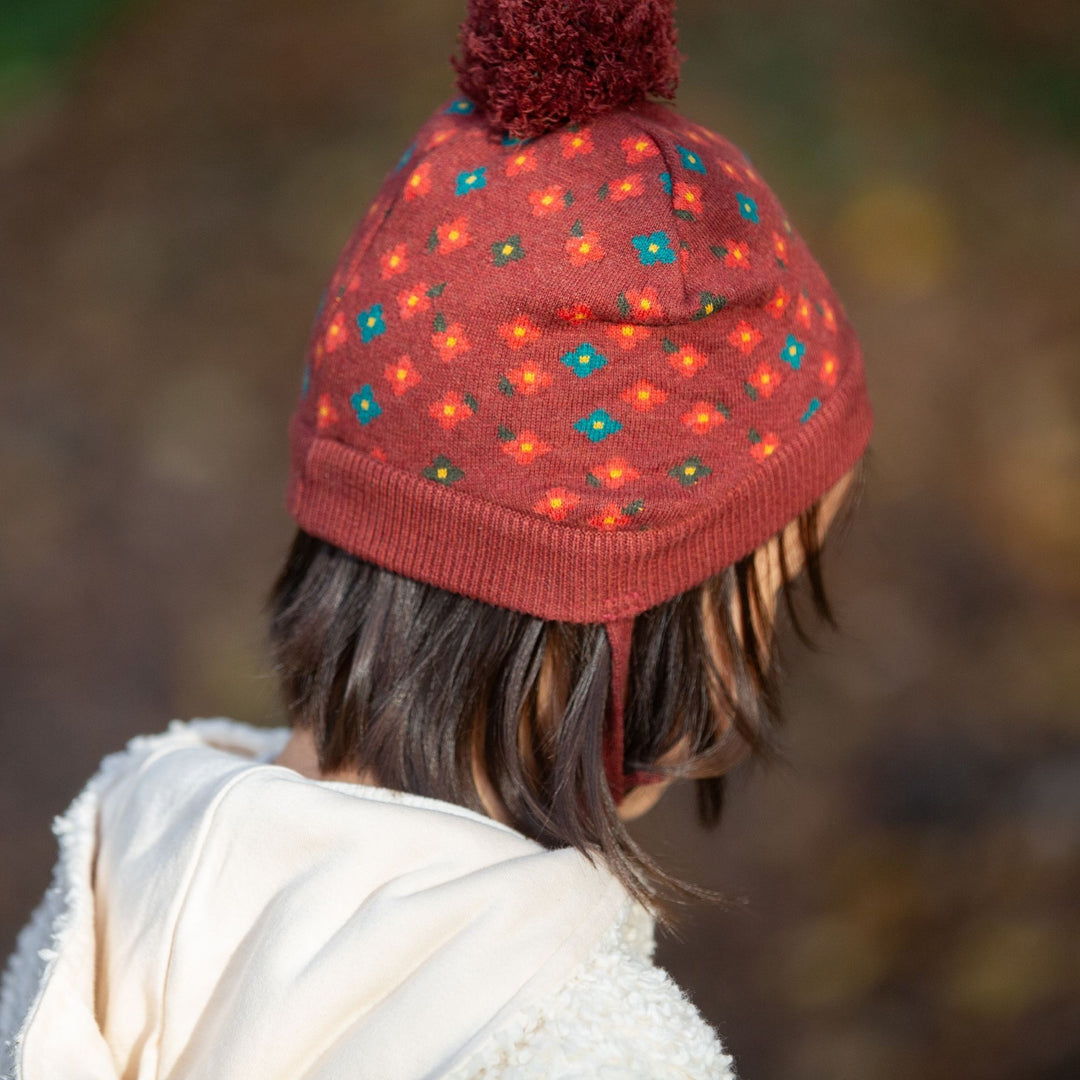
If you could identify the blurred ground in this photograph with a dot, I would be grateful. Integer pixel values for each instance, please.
(172, 198)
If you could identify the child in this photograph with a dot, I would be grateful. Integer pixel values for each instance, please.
(579, 405)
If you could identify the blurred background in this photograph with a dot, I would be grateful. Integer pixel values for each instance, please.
(176, 181)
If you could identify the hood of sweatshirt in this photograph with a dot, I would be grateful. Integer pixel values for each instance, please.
(213, 914)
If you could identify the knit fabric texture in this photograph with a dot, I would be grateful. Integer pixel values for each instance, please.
(573, 375)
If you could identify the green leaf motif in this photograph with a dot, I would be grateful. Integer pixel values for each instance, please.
(670, 346)
(753, 436)
(436, 290)
(439, 323)
(684, 214)
(576, 229)
(433, 240)
(718, 251)
(568, 198)
(623, 305)
(505, 434)
(635, 507)
(505, 387)
(602, 194)
(750, 391)
(471, 402)
(591, 480)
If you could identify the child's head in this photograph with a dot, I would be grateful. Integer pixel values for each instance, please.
(573, 379)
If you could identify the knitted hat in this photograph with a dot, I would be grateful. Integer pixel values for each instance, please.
(575, 358)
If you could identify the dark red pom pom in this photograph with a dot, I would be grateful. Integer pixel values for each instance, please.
(534, 65)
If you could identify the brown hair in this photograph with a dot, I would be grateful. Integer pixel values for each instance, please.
(412, 681)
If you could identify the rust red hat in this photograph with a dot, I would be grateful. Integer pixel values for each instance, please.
(573, 375)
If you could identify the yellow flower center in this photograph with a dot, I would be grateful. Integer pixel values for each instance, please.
(688, 359)
(441, 473)
(597, 424)
(708, 309)
(689, 196)
(769, 448)
(654, 247)
(413, 300)
(527, 447)
(453, 234)
(628, 331)
(556, 502)
(508, 249)
(415, 179)
(519, 331)
(395, 259)
(451, 342)
(640, 145)
(703, 417)
(470, 179)
(577, 141)
(584, 358)
(335, 329)
(520, 159)
(609, 519)
(448, 410)
(643, 395)
(547, 200)
(615, 473)
(364, 404)
(688, 470)
(528, 376)
(764, 377)
(624, 186)
(584, 248)
(401, 373)
(645, 305)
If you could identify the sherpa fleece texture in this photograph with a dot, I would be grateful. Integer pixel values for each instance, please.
(101, 990)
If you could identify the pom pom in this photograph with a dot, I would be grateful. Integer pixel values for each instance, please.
(535, 65)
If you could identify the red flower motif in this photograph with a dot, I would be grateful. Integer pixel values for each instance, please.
(576, 142)
(701, 417)
(410, 301)
(526, 448)
(829, 369)
(419, 182)
(778, 304)
(802, 311)
(521, 331)
(325, 414)
(452, 235)
(629, 187)
(828, 316)
(638, 147)
(643, 395)
(354, 283)
(521, 161)
(556, 503)
(738, 254)
(687, 197)
(688, 360)
(577, 313)
(584, 249)
(528, 379)
(628, 334)
(393, 262)
(765, 380)
(451, 410)
(779, 244)
(438, 137)
(378, 453)
(761, 450)
(644, 305)
(610, 518)
(336, 332)
(451, 341)
(615, 472)
(751, 175)
(401, 375)
(729, 169)
(744, 337)
(548, 200)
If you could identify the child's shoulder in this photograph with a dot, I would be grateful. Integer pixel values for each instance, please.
(618, 1011)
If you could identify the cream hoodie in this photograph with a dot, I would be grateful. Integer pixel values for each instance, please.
(215, 916)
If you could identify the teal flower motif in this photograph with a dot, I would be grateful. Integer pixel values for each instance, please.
(812, 408)
(654, 248)
(747, 207)
(584, 360)
(371, 323)
(598, 425)
(404, 159)
(792, 352)
(364, 404)
(665, 182)
(471, 181)
(460, 107)
(691, 160)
